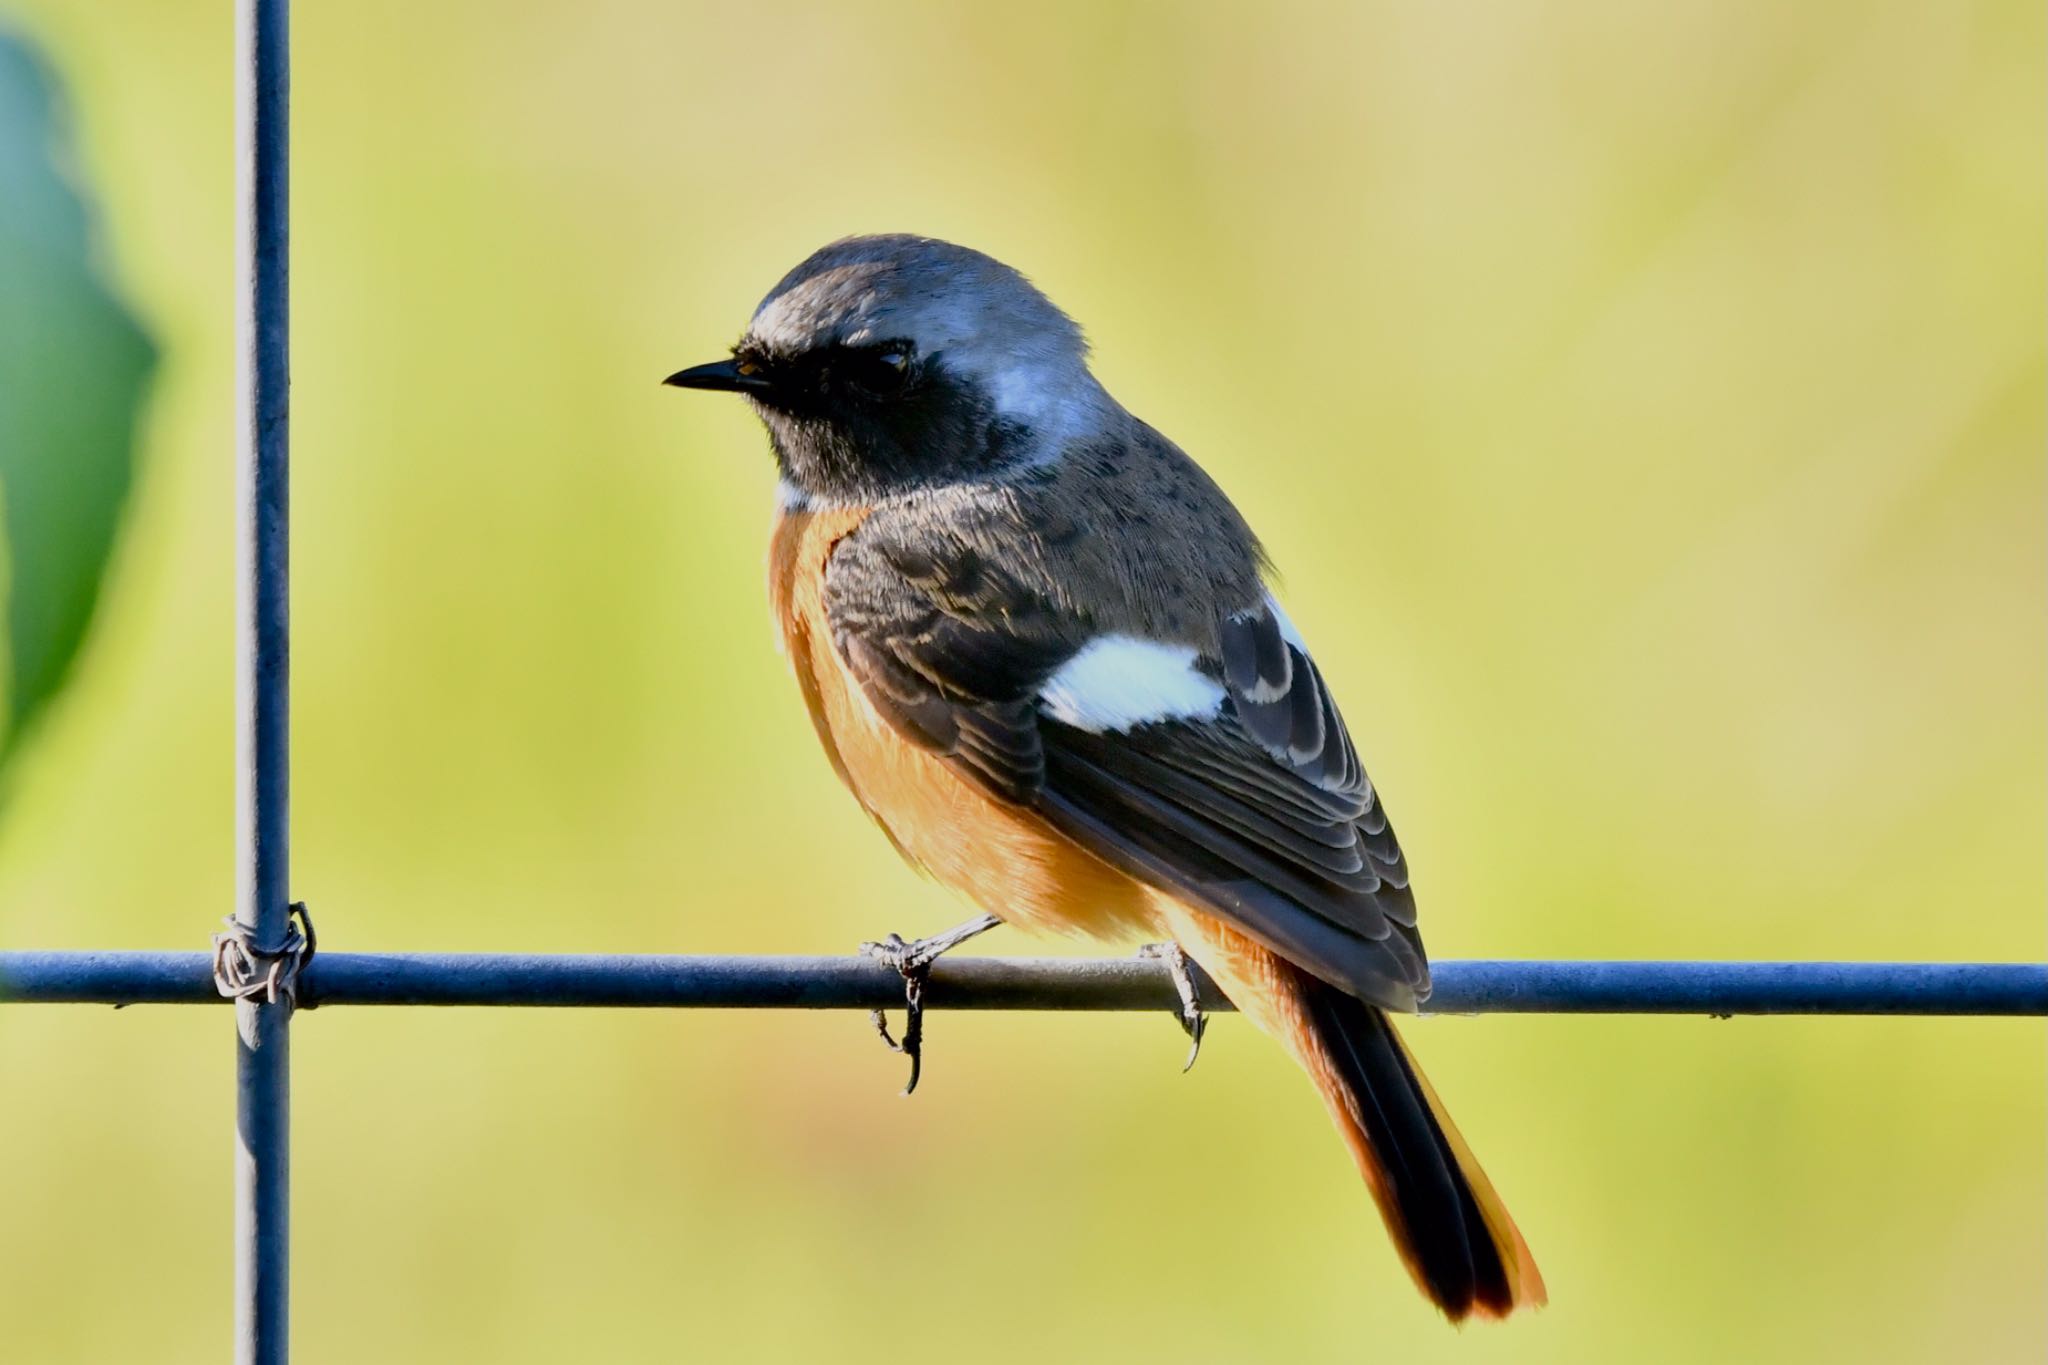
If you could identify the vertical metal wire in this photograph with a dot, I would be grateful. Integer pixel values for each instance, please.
(263, 1045)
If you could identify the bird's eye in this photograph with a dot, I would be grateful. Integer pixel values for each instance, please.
(746, 367)
(882, 371)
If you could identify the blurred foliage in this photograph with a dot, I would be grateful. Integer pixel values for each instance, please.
(1645, 404)
(72, 369)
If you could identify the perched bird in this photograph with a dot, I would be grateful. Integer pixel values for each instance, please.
(1037, 644)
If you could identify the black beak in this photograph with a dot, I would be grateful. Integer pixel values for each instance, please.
(721, 375)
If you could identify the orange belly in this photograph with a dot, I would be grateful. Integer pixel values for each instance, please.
(1002, 857)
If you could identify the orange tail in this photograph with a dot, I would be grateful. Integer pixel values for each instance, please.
(1450, 1227)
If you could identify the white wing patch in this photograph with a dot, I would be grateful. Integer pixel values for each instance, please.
(1120, 681)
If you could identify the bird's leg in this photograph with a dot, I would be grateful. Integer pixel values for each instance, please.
(1191, 1017)
(913, 961)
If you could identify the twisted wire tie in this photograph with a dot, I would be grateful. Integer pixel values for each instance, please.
(243, 970)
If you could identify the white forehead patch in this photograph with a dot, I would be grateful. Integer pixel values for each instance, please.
(837, 302)
(1120, 681)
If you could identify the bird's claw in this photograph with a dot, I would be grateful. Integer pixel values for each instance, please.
(914, 967)
(913, 962)
(1192, 1020)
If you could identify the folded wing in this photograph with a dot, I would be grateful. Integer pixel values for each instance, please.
(1226, 778)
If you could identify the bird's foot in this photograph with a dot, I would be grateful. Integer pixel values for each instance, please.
(913, 962)
(1192, 1020)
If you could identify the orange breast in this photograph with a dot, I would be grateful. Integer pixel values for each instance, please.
(1002, 857)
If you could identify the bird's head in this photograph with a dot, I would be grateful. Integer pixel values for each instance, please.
(884, 364)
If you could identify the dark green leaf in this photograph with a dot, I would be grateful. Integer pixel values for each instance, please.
(73, 367)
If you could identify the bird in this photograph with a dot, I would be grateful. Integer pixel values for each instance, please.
(1039, 646)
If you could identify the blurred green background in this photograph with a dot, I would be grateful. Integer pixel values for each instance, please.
(1645, 404)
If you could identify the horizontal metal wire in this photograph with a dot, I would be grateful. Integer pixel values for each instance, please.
(1472, 987)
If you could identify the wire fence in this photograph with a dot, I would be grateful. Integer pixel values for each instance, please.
(264, 963)
(1720, 989)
